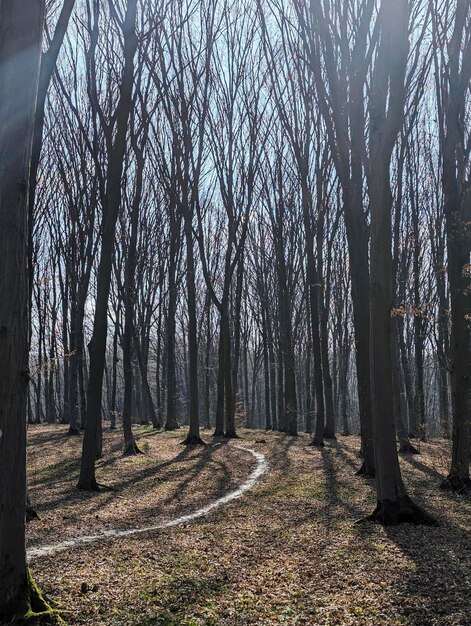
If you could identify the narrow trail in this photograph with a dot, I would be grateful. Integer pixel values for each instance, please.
(260, 469)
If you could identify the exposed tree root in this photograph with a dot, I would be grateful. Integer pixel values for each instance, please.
(366, 471)
(36, 608)
(193, 440)
(90, 485)
(231, 434)
(456, 484)
(30, 514)
(401, 511)
(408, 448)
(103, 487)
(132, 449)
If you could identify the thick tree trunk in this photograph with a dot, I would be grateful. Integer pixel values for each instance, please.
(357, 237)
(394, 506)
(21, 26)
(460, 352)
(457, 219)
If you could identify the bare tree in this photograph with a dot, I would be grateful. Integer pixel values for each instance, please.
(117, 132)
(452, 37)
(21, 30)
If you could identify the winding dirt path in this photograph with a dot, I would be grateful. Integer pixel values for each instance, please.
(260, 469)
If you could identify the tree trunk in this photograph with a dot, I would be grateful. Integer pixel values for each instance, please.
(97, 346)
(394, 505)
(266, 373)
(171, 422)
(21, 26)
(219, 425)
(207, 364)
(193, 437)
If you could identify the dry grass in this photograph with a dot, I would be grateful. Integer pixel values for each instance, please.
(287, 553)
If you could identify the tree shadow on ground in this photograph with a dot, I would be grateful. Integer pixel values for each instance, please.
(437, 588)
(164, 471)
(338, 493)
(351, 457)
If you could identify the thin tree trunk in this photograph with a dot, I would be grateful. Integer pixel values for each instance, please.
(97, 346)
(193, 437)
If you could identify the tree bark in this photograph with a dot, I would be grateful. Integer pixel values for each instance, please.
(21, 27)
(97, 346)
(393, 504)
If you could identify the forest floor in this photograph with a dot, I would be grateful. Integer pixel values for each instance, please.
(287, 552)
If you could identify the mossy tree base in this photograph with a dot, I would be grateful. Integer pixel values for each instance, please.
(193, 440)
(400, 511)
(456, 484)
(31, 608)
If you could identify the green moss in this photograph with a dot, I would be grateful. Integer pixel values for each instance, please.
(40, 612)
